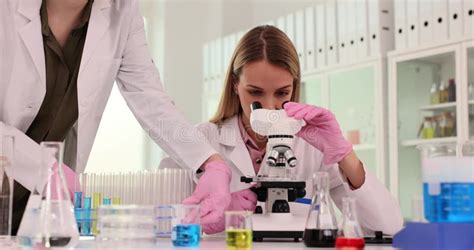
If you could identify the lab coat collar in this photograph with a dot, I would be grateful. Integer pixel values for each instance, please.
(30, 8)
(31, 33)
(229, 132)
(98, 25)
(238, 153)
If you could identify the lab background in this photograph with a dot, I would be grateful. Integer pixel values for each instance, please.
(387, 74)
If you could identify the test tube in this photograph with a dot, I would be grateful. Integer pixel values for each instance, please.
(86, 223)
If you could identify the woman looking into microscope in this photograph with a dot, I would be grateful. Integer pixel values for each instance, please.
(265, 68)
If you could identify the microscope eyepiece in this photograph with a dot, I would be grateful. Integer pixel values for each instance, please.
(283, 104)
(255, 105)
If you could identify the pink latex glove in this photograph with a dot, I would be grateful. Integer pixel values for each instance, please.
(322, 131)
(72, 181)
(243, 200)
(212, 193)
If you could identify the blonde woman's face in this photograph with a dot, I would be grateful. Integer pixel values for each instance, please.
(263, 82)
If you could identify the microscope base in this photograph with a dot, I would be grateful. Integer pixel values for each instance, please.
(281, 225)
(258, 236)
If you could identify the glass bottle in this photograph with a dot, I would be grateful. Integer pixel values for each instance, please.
(434, 94)
(321, 225)
(443, 93)
(6, 189)
(470, 91)
(349, 234)
(428, 130)
(49, 217)
(451, 91)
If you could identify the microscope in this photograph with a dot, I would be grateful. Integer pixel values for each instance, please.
(275, 185)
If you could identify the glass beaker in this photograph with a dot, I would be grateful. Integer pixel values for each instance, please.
(49, 217)
(349, 234)
(125, 223)
(321, 225)
(7, 146)
(238, 230)
(185, 223)
(448, 182)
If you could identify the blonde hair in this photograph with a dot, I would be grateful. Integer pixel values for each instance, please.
(261, 43)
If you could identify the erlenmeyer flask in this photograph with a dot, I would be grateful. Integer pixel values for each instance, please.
(349, 234)
(49, 217)
(321, 225)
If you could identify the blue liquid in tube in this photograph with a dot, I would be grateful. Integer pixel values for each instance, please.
(455, 203)
(186, 235)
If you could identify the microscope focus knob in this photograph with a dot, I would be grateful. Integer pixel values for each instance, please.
(300, 192)
(281, 206)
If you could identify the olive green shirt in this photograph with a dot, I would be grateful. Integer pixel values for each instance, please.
(59, 111)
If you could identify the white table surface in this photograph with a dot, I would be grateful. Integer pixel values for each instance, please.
(215, 242)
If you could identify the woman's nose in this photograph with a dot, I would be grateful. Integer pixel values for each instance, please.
(271, 104)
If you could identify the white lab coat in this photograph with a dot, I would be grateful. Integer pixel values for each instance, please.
(377, 209)
(115, 50)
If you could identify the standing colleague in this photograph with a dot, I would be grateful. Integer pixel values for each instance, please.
(59, 60)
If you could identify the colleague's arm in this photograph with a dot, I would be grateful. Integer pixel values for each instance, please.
(27, 157)
(139, 82)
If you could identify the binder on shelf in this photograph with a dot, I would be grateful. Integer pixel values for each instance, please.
(331, 33)
(212, 59)
(240, 34)
(455, 20)
(281, 24)
(468, 10)
(226, 52)
(271, 22)
(440, 20)
(300, 38)
(425, 10)
(290, 27)
(342, 31)
(351, 19)
(233, 45)
(219, 57)
(362, 29)
(321, 45)
(401, 24)
(205, 62)
(412, 23)
(380, 26)
(310, 38)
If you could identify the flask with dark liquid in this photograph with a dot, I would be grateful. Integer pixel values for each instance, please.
(49, 219)
(321, 225)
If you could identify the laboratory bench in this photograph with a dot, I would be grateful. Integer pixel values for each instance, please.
(208, 243)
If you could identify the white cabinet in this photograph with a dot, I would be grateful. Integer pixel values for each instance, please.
(428, 103)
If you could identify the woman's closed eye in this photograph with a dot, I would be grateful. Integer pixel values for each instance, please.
(282, 93)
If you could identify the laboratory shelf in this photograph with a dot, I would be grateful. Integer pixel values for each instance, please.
(411, 143)
(442, 106)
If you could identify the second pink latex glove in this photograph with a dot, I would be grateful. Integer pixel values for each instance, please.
(243, 200)
(322, 131)
(212, 193)
(72, 181)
